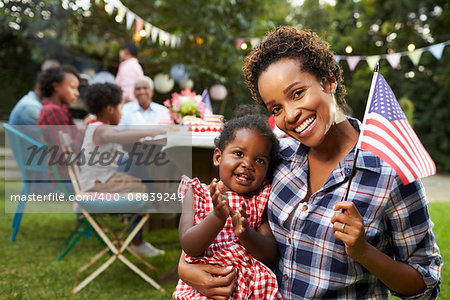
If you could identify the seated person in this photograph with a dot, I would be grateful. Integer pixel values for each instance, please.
(102, 137)
(59, 90)
(27, 109)
(144, 110)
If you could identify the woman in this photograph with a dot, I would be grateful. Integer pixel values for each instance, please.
(380, 240)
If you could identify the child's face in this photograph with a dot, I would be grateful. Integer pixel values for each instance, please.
(244, 162)
(67, 91)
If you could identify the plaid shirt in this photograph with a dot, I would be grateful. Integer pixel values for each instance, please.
(313, 264)
(53, 118)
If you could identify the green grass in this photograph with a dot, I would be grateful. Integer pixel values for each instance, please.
(29, 268)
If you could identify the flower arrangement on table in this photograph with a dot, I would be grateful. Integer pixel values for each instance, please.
(185, 103)
(188, 108)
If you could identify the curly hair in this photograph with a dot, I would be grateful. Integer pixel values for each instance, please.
(51, 75)
(314, 56)
(249, 117)
(100, 95)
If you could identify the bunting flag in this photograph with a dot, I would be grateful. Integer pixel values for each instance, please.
(121, 11)
(437, 50)
(394, 59)
(139, 25)
(353, 61)
(387, 134)
(157, 34)
(173, 41)
(130, 18)
(415, 56)
(372, 61)
(207, 102)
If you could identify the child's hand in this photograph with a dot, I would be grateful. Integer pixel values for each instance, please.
(239, 220)
(219, 199)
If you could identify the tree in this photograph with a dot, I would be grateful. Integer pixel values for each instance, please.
(89, 37)
(379, 27)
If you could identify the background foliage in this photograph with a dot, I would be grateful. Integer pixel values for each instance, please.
(86, 36)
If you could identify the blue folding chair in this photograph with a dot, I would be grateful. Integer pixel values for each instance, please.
(19, 143)
(31, 168)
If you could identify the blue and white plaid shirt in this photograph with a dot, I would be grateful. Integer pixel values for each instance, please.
(313, 264)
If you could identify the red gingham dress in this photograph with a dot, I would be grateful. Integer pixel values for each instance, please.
(254, 279)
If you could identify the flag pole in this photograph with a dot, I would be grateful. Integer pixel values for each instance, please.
(372, 87)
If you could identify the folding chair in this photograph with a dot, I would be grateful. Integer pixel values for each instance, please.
(33, 170)
(117, 246)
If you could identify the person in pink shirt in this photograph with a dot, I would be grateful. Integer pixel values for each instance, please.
(129, 70)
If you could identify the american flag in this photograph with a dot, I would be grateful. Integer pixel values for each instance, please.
(387, 134)
(207, 102)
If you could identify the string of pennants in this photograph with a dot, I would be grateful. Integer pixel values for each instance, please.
(149, 30)
(372, 60)
(173, 41)
(394, 58)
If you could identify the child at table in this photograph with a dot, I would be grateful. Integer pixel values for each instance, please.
(104, 139)
(225, 223)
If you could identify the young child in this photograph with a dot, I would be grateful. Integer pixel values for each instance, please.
(225, 223)
(103, 138)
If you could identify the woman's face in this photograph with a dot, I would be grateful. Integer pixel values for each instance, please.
(67, 91)
(244, 162)
(301, 106)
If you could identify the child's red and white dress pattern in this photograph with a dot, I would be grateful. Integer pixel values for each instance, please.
(254, 279)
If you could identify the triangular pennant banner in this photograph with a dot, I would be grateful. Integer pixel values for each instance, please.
(239, 41)
(254, 42)
(167, 40)
(121, 11)
(372, 61)
(353, 61)
(415, 56)
(130, 19)
(337, 58)
(155, 32)
(147, 28)
(163, 38)
(139, 24)
(437, 50)
(394, 59)
(173, 42)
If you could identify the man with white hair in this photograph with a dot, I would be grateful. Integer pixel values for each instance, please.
(143, 111)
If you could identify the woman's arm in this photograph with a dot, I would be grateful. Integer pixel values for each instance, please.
(109, 134)
(260, 244)
(195, 239)
(212, 281)
(397, 276)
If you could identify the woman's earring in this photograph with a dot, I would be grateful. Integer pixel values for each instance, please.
(333, 91)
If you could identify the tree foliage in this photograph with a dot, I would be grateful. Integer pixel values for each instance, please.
(383, 26)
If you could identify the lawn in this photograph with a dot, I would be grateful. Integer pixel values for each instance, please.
(29, 268)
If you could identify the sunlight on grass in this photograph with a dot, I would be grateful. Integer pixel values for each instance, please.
(29, 268)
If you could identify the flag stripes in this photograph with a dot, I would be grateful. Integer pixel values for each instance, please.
(387, 134)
